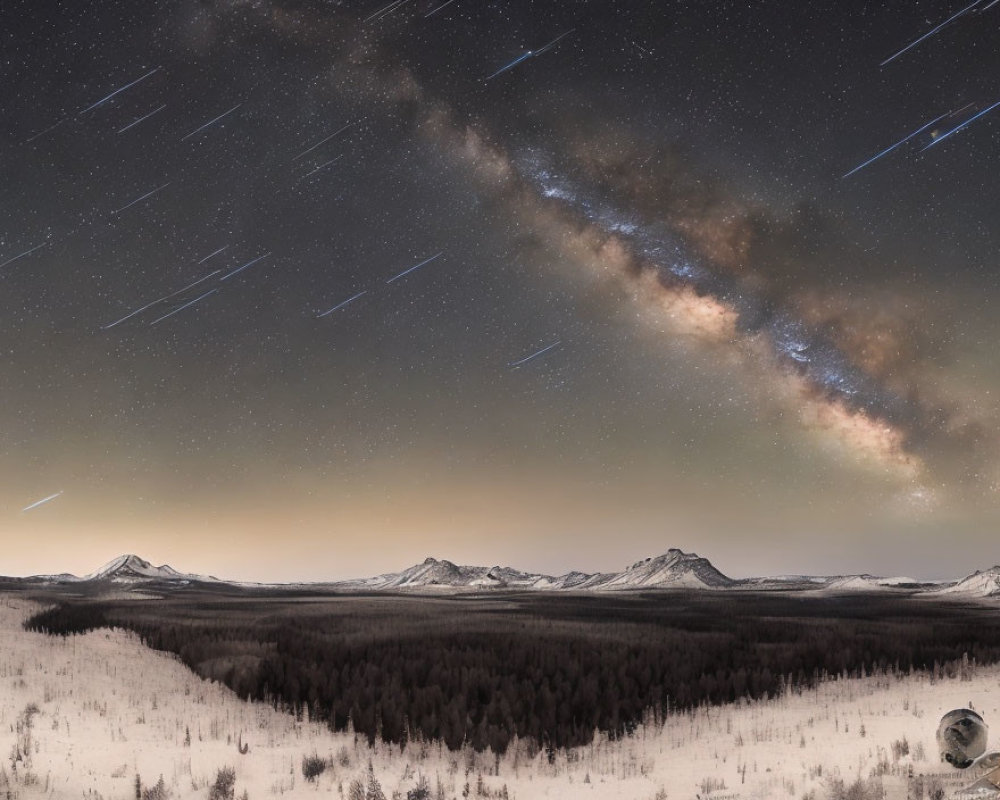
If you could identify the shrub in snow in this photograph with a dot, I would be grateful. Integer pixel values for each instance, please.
(313, 766)
(223, 788)
(422, 791)
(158, 792)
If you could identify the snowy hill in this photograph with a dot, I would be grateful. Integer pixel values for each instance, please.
(856, 583)
(576, 581)
(128, 569)
(978, 584)
(444, 574)
(674, 569)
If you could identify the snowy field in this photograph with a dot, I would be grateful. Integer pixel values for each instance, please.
(92, 716)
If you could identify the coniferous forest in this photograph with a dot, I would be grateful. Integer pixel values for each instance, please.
(552, 670)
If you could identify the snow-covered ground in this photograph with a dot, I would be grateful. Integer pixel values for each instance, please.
(109, 709)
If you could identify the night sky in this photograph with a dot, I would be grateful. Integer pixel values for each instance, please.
(313, 290)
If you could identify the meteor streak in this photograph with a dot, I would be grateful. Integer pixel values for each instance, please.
(321, 166)
(211, 122)
(103, 100)
(930, 33)
(383, 9)
(213, 254)
(435, 11)
(324, 141)
(530, 54)
(553, 43)
(341, 305)
(130, 315)
(142, 119)
(970, 120)
(387, 10)
(42, 133)
(240, 269)
(44, 500)
(22, 255)
(889, 149)
(160, 300)
(534, 355)
(415, 266)
(186, 305)
(140, 199)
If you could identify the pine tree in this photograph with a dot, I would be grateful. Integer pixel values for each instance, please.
(374, 790)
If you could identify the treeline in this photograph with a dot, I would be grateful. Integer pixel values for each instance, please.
(69, 618)
(552, 670)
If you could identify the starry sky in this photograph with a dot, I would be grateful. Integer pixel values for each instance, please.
(313, 290)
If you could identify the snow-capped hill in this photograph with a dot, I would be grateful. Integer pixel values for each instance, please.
(430, 572)
(674, 569)
(576, 581)
(435, 573)
(856, 583)
(904, 582)
(978, 584)
(129, 568)
(133, 569)
(515, 579)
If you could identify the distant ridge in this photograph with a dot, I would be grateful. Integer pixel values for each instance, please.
(674, 569)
